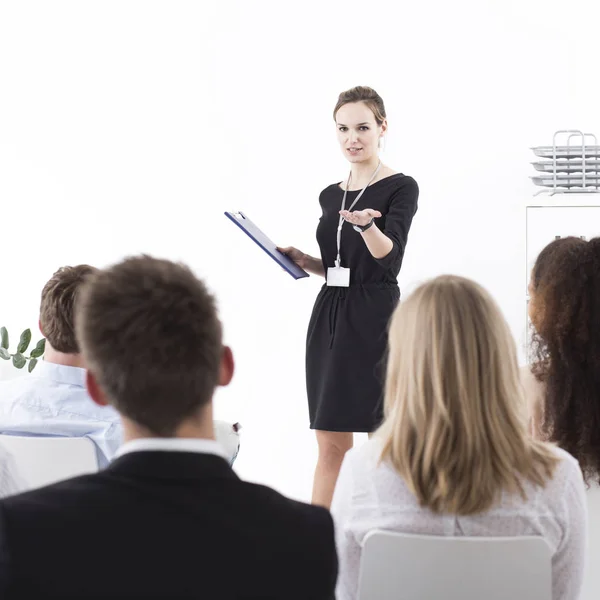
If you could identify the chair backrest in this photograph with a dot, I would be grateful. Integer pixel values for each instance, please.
(44, 460)
(396, 566)
(591, 576)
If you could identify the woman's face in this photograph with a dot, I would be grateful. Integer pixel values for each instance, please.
(358, 132)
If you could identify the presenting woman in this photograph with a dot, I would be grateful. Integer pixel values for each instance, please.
(362, 236)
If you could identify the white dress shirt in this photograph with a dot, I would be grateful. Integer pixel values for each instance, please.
(199, 445)
(53, 401)
(369, 495)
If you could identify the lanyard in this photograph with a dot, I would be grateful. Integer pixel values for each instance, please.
(339, 229)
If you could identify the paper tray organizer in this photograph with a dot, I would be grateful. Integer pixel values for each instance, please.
(571, 167)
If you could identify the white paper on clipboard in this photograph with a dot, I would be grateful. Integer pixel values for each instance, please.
(254, 233)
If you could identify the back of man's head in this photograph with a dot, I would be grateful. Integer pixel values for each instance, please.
(151, 338)
(57, 307)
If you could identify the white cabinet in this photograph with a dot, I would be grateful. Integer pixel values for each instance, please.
(546, 223)
(558, 216)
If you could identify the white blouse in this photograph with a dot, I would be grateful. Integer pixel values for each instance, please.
(374, 496)
(535, 392)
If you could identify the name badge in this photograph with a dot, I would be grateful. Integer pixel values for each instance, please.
(338, 277)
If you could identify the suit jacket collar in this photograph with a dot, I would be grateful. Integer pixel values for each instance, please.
(160, 464)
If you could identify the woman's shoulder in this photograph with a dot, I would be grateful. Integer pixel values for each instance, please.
(331, 190)
(567, 471)
(366, 456)
(374, 480)
(565, 460)
(396, 179)
(401, 187)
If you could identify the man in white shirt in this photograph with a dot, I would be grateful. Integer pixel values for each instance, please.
(53, 401)
(168, 518)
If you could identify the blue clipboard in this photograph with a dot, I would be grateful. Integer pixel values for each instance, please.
(252, 231)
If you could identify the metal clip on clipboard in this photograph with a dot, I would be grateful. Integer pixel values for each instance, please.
(254, 233)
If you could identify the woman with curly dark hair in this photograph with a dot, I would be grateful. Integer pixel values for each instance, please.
(563, 381)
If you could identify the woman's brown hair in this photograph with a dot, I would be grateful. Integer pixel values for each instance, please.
(364, 94)
(565, 347)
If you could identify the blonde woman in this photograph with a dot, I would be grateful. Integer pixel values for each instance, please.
(453, 456)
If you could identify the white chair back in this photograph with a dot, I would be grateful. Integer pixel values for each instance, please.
(44, 460)
(591, 576)
(396, 566)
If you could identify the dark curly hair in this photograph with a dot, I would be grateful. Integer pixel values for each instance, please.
(565, 347)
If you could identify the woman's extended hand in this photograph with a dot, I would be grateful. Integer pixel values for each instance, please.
(360, 217)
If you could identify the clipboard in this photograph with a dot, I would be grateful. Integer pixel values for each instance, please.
(253, 232)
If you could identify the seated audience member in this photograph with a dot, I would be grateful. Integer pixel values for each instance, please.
(168, 518)
(453, 456)
(562, 384)
(53, 401)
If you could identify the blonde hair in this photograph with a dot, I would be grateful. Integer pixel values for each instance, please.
(455, 427)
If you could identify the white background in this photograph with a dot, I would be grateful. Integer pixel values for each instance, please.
(130, 127)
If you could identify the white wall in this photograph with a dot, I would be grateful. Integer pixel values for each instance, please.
(131, 126)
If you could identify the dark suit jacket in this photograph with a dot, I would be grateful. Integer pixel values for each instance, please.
(164, 525)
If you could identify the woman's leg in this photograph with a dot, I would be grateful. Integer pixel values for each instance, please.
(333, 445)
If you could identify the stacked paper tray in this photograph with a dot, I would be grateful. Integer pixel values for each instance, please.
(567, 151)
(568, 165)
(567, 180)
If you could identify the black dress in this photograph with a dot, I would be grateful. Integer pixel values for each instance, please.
(347, 333)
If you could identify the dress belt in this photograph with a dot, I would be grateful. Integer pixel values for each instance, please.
(339, 295)
(372, 285)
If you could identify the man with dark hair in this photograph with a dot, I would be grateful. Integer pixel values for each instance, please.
(53, 400)
(168, 518)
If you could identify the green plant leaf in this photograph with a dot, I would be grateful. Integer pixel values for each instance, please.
(4, 353)
(3, 338)
(31, 365)
(24, 341)
(19, 360)
(39, 349)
